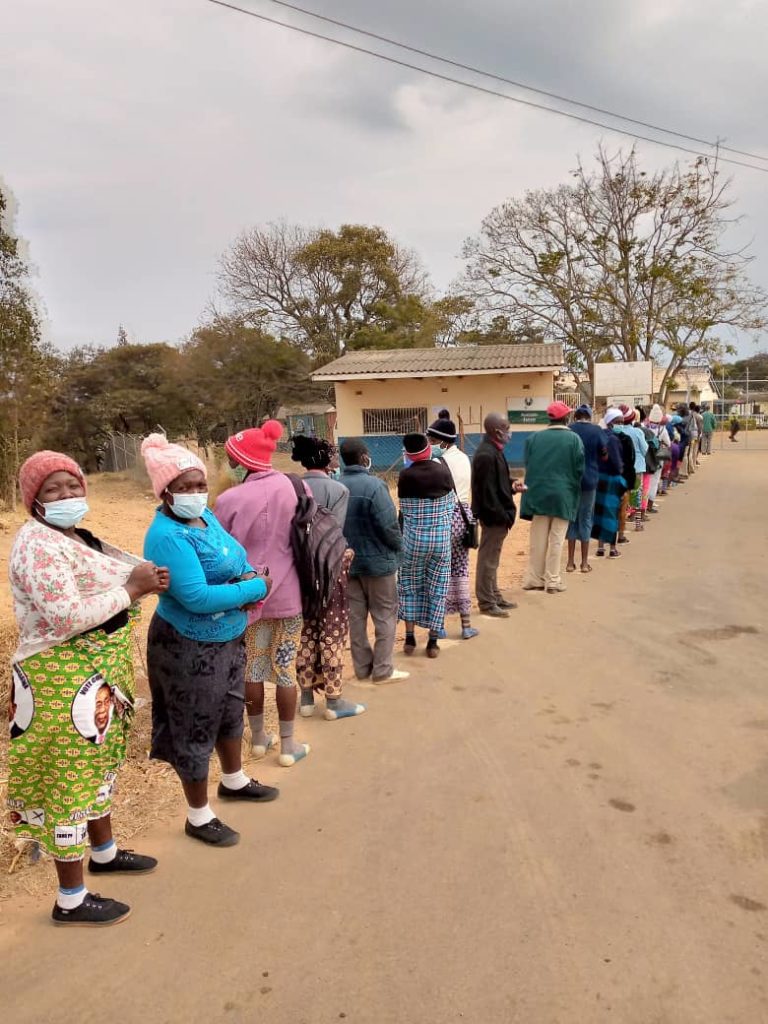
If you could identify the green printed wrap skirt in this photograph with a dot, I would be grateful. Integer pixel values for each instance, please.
(71, 708)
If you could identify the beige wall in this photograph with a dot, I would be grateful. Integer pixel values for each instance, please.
(471, 397)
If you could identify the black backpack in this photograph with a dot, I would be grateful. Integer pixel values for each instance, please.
(318, 550)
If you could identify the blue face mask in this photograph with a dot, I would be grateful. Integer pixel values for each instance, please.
(437, 451)
(406, 461)
(335, 474)
(65, 513)
(189, 506)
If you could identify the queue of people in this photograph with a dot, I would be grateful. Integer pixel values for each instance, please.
(233, 611)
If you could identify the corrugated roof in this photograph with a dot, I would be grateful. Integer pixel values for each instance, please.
(434, 361)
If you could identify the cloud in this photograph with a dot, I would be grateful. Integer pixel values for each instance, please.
(140, 139)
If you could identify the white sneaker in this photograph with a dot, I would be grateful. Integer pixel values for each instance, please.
(397, 676)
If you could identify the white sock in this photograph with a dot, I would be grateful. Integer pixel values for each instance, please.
(235, 780)
(70, 899)
(198, 816)
(105, 853)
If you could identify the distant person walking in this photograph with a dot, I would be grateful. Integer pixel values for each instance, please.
(373, 533)
(708, 427)
(735, 428)
(595, 453)
(458, 601)
(554, 467)
(426, 496)
(493, 505)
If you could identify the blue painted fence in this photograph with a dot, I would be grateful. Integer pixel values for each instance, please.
(386, 450)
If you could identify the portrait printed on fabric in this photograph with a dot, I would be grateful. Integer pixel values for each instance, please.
(94, 706)
(21, 703)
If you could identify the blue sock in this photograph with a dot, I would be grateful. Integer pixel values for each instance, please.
(70, 899)
(105, 852)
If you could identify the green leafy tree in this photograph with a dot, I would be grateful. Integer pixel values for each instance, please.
(130, 388)
(233, 376)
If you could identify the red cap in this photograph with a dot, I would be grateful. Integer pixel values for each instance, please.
(558, 410)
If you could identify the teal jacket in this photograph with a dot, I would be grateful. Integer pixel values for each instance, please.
(554, 466)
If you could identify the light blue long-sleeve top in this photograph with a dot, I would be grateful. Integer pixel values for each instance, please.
(201, 603)
(637, 437)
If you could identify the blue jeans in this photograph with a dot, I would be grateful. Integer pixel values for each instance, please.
(581, 527)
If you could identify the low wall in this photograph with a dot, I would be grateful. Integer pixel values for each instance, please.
(386, 450)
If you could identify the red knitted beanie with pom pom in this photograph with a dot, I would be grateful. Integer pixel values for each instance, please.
(254, 448)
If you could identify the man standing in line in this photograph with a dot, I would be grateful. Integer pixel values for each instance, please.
(708, 427)
(493, 505)
(372, 531)
(595, 452)
(554, 467)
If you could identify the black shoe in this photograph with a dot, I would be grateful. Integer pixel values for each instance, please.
(94, 911)
(253, 791)
(495, 612)
(215, 833)
(502, 603)
(124, 860)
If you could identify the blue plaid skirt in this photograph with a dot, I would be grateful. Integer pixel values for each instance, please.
(422, 583)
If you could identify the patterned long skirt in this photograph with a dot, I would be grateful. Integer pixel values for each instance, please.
(72, 707)
(458, 601)
(605, 519)
(422, 583)
(320, 661)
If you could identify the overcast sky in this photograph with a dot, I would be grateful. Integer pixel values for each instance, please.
(139, 137)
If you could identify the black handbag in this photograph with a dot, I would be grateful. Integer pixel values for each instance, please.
(470, 540)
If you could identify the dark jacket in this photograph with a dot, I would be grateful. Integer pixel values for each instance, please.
(492, 501)
(371, 526)
(429, 479)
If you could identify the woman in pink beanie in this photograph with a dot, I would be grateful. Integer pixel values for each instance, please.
(258, 512)
(195, 647)
(72, 684)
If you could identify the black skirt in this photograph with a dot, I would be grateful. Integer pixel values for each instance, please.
(198, 694)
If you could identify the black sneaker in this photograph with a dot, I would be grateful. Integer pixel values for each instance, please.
(215, 833)
(95, 911)
(124, 860)
(253, 791)
(503, 603)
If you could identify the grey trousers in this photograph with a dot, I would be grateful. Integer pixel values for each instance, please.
(706, 442)
(488, 555)
(375, 596)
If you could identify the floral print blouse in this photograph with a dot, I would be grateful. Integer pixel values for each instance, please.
(62, 588)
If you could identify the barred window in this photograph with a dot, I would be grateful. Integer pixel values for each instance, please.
(394, 421)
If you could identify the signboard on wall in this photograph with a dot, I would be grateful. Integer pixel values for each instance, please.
(527, 409)
(631, 378)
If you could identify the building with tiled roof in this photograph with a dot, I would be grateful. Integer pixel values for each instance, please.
(382, 394)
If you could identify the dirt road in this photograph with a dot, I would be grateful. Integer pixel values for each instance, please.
(565, 820)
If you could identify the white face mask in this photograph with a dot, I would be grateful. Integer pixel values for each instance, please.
(189, 506)
(366, 463)
(64, 513)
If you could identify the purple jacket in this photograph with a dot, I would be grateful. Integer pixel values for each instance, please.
(258, 513)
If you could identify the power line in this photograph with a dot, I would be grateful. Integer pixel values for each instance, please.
(512, 82)
(480, 88)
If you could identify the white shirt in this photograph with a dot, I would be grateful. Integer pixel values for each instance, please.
(461, 471)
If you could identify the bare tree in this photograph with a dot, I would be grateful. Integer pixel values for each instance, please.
(619, 264)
